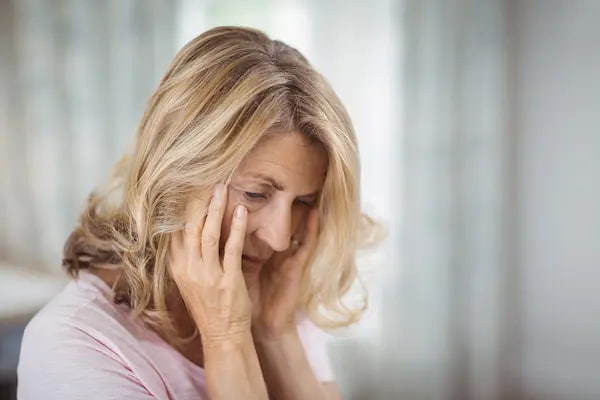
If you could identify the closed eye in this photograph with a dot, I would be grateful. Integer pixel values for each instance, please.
(307, 203)
(253, 196)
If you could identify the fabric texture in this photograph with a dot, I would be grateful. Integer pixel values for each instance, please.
(82, 345)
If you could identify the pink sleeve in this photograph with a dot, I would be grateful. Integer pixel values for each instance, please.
(49, 369)
(314, 341)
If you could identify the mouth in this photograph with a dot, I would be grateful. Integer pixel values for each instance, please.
(254, 260)
(252, 264)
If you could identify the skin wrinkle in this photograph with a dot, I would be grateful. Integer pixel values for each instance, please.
(288, 159)
(267, 180)
(219, 101)
(299, 170)
(305, 169)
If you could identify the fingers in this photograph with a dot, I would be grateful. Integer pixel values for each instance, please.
(211, 233)
(232, 258)
(193, 229)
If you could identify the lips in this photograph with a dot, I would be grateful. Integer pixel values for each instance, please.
(252, 264)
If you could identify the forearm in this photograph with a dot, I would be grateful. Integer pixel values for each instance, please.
(232, 369)
(286, 369)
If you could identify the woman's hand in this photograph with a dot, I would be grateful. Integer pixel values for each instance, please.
(216, 297)
(283, 361)
(214, 292)
(275, 292)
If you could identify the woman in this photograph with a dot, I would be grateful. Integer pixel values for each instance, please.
(219, 245)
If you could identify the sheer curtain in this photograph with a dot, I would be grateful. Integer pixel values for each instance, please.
(450, 301)
(425, 84)
(76, 75)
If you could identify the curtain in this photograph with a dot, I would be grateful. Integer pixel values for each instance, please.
(75, 79)
(425, 82)
(450, 309)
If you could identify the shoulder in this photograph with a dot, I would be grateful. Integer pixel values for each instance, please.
(81, 312)
(73, 346)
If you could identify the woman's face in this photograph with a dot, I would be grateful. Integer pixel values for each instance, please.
(278, 182)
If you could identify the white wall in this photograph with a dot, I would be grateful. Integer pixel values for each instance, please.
(557, 89)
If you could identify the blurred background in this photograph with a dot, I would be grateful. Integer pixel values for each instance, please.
(479, 129)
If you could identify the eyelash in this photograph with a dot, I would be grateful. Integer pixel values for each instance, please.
(252, 196)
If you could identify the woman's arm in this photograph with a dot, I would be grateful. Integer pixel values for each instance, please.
(286, 369)
(233, 370)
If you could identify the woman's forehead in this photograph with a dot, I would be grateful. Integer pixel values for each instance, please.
(286, 160)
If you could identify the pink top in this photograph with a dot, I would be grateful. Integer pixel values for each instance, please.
(81, 345)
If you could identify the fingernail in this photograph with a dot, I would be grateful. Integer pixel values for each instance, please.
(240, 211)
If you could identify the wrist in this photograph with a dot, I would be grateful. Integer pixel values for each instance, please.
(286, 368)
(232, 368)
(275, 338)
(226, 341)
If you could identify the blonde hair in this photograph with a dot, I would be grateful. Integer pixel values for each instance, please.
(222, 93)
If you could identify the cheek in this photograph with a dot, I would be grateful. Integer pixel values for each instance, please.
(299, 218)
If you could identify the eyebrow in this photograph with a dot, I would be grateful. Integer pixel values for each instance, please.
(276, 184)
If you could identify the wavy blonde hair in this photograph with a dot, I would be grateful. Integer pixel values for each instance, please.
(222, 93)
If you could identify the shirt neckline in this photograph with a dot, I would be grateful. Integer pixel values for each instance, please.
(95, 281)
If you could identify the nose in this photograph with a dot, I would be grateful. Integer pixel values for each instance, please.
(276, 227)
